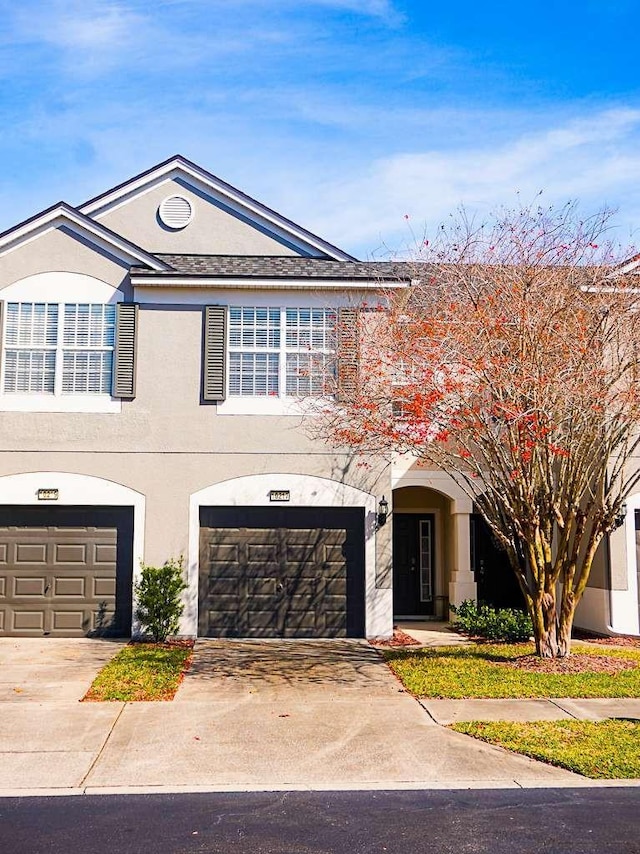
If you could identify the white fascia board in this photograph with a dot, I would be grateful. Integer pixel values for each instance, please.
(283, 297)
(142, 281)
(213, 186)
(632, 266)
(102, 237)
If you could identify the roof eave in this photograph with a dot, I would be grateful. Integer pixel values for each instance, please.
(18, 234)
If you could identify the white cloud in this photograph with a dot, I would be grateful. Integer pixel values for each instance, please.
(595, 160)
(89, 36)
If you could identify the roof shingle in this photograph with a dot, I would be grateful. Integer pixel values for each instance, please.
(278, 267)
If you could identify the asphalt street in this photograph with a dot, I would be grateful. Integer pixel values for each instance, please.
(546, 821)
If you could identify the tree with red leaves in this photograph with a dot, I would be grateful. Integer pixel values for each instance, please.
(512, 363)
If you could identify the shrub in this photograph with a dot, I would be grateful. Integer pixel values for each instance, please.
(505, 624)
(159, 598)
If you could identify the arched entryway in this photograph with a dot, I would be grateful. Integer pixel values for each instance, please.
(420, 521)
(431, 546)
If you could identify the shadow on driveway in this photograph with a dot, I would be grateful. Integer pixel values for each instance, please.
(334, 666)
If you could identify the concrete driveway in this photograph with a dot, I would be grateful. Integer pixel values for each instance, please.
(51, 669)
(249, 715)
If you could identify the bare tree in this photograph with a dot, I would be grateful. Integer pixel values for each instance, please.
(512, 363)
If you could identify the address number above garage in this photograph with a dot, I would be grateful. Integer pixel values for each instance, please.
(279, 495)
(48, 494)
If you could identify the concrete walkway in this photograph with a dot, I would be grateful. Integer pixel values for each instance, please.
(265, 715)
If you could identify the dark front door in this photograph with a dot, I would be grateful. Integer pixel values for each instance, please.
(294, 572)
(413, 564)
(496, 580)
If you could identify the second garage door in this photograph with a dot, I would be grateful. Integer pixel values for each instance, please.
(294, 572)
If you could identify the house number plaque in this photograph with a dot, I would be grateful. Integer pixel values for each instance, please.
(48, 495)
(279, 495)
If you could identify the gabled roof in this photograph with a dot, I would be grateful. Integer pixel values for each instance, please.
(62, 213)
(277, 267)
(179, 166)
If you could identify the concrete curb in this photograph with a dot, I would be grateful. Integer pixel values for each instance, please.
(454, 785)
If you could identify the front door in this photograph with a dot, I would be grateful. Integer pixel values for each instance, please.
(413, 564)
(496, 580)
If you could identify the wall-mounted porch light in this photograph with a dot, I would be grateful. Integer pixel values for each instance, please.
(618, 522)
(383, 511)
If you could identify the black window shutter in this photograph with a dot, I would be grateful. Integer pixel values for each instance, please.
(124, 362)
(213, 362)
(348, 356)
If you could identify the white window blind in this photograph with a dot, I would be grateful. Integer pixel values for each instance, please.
(30, 336)
(263, 362)
(42, 358)
(88, 342)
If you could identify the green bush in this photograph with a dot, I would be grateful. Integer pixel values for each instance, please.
(159, 598)
(505, 624)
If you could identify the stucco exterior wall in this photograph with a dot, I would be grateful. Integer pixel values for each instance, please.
(166, 415)
(167, 480)
(214, 229)
(61, 250)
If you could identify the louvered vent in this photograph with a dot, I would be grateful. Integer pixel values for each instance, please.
(175, 212)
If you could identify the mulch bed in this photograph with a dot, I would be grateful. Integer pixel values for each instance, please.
(399, 638)
(619, 640)
(575, 663)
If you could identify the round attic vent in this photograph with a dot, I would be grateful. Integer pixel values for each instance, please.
(175, 212)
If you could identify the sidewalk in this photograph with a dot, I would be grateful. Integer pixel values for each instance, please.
(257, 716)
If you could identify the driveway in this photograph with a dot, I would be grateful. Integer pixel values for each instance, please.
(51, 669)
(279, 714)
(249, 715)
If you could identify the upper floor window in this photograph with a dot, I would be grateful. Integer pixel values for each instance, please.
(58, 349)
(281, 352)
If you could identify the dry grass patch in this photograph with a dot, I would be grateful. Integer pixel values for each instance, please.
(142, 671)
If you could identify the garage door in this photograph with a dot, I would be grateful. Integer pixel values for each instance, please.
(295, 572)
(65, 571)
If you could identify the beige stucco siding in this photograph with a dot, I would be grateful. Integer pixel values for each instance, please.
(167, 480)
(166, 413)
(62, 250)
(214, 229)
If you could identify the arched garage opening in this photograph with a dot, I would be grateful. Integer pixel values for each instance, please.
(68, 546)
(284, 555)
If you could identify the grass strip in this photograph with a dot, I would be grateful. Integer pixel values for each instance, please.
(481, 671)
(607, 749)
(141, 671)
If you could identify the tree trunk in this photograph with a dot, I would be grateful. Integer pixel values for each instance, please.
(565, 623)
(545, 629)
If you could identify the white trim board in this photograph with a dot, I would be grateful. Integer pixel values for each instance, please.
(103, 238)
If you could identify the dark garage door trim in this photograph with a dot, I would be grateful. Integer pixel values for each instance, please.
(221, 521)
(72, 516)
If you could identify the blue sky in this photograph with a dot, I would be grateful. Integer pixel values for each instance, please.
(343, 115)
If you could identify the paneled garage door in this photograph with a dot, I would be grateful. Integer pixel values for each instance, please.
(65, 571)
(276, 572)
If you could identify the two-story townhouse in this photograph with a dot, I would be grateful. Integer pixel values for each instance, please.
(158, 345)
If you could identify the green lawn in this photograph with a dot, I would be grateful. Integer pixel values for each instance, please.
(141, 671)
(599, 749)
(479, 670)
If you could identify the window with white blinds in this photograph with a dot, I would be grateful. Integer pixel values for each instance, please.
(264, 362)
(58, 349)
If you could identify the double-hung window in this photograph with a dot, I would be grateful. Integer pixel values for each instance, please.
(58, 348)
(281, 352)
